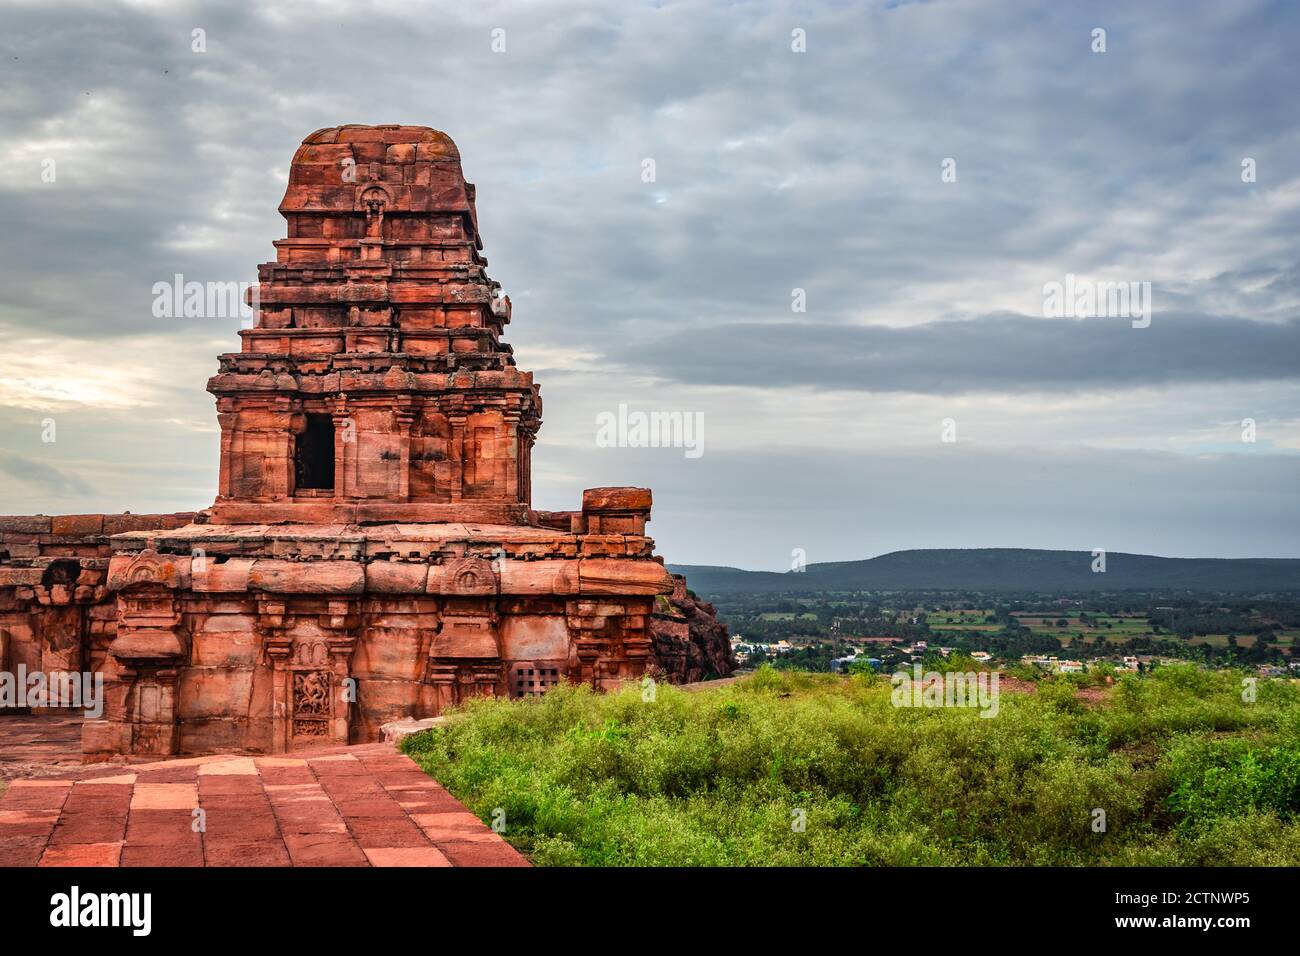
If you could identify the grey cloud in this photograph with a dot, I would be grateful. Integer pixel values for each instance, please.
(41, 475)
(995, 353)
(830, 181)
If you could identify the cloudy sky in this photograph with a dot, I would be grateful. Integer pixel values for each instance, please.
(774, 171)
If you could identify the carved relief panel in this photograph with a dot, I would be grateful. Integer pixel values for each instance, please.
(312, 703)
(310, 651)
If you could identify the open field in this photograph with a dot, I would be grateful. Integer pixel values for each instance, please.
(1114, 629)
(958, 617)
(1186, 772)
(1221, 640)
(962, 620)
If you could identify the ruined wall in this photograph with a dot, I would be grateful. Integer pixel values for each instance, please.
(56, 615)
(377, 320)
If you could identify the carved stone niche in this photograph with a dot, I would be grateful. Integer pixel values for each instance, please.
(465, 654)
(310, 656)
(148, 567)
(151, 648)
(151, 710)
(469, 576)
(372, 200)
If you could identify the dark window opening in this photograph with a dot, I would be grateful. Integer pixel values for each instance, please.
(314, 461)
(530, 680)
(63, 571)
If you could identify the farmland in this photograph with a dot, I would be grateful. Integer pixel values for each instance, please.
(1208, 629)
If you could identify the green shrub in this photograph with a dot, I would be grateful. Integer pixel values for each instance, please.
(1185, 771)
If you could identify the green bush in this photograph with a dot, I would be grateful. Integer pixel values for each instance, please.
(792, 768)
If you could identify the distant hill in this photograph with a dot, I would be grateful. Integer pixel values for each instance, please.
(1007, 569)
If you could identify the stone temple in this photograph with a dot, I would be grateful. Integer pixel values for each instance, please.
(372, 553)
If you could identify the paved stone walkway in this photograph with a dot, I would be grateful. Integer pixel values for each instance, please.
(350, 806)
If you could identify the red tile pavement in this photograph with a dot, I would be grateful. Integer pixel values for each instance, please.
(348, 806)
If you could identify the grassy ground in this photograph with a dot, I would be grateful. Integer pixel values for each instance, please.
(1185, 771)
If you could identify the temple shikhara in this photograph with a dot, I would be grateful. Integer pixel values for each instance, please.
(372, 553)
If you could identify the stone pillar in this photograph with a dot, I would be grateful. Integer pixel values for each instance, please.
(227, 420)
(511, 419)
(456, 455)
(151, 705)
(404, 418)
(442, 679)
(637, 643)
(278, 647)
(274, 434)
(526, 439)
(344, 427)
(5, 667)
(344, 621)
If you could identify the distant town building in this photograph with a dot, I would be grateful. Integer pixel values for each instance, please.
(1054, 664)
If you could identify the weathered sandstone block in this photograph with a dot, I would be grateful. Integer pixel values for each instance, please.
(230, 576)
(307, 577)
(396, 577)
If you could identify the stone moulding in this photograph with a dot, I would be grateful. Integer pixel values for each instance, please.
(20, 577)
(465, 577)
(149, 567)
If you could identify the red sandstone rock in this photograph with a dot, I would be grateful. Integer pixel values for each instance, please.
(609, 576)
(230, 576)
(19, 577)
(25, 524)
(616, 499)
(691, 644)
(539, 577)
(77, 524)
(396, 577)
(308, 577)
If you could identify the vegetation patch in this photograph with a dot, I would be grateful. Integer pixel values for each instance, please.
(789, 768)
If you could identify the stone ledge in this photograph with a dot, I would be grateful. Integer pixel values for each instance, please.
(453, 577)
(393, 731)
(596, 500)
(92, 525)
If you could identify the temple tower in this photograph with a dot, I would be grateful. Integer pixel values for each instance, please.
(375, 385)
